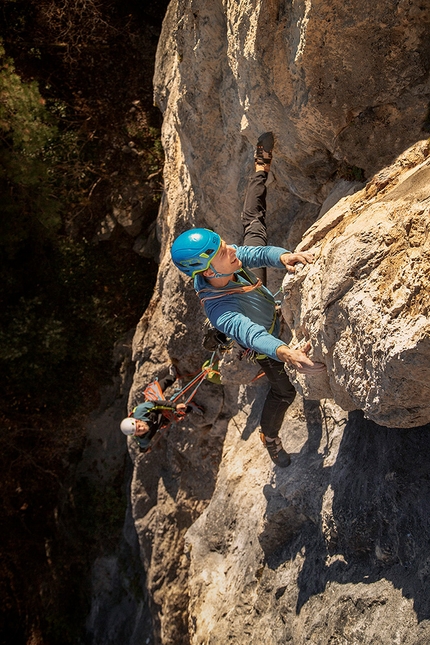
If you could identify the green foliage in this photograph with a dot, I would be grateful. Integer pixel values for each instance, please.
(30, 327)
(74, 300)
(27, 131)
(64, 298)
(22, 113)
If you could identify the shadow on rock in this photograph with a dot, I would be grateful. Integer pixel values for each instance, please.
(253, 418)
(296, 499)
(364, 519)
(381, 507)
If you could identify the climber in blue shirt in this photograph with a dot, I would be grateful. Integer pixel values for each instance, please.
(229, 281)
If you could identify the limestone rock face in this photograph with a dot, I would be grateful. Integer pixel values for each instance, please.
(332, 549)
(343, 85)
(365, 301)
(335, 548)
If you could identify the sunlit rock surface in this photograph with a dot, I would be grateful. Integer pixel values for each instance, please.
(365, 301)
(335, 548)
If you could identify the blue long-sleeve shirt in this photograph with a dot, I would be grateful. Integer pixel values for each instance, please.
(246, 317)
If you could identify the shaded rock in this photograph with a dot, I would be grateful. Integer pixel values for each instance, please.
(341, 550)
(132, 206)
(119, 604)
(106, 228)
(341, 189)
(148, 246)
(119, 609)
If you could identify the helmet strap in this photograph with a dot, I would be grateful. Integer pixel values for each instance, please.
(219, 275)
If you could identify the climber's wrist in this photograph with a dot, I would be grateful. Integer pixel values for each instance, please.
(285, 255)
(283, 352)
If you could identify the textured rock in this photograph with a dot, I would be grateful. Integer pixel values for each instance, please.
(331, 550)
(132, 210)
(342, 86)
(119, 608)
(365, 301)
(335, 548)
(170, 488)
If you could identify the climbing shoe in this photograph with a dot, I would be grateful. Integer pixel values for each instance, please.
(276, 452)
(263, 152)
(195, 409)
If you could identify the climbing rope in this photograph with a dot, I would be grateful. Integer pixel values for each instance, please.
(196, 381)
(153, 392)
(191, 388)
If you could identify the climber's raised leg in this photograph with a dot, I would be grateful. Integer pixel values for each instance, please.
(254, 208)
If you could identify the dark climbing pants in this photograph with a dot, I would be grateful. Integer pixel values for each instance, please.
(254, 216)
(281, 393)
(278, 399)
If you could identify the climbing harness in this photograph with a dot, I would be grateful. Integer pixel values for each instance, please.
(249, 354)
(153, 392)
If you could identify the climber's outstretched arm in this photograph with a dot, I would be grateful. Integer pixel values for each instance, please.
(299, 359)
(289, 260)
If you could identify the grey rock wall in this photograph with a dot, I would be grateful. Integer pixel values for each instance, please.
(335, 548)
(119, 610)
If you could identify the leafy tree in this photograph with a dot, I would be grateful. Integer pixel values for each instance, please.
(27, 131)
(60, 293)
(75, 91)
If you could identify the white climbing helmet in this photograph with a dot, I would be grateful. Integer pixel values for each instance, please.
(128, 426)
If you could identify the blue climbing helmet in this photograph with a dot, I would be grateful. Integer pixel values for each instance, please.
(193, 251)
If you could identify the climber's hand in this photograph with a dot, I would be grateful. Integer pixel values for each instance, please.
(299, 359)
(290, 259)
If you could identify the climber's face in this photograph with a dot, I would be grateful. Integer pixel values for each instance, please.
(141, 428)
(225, 261)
